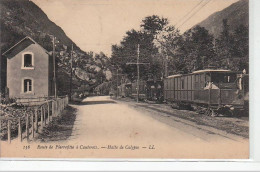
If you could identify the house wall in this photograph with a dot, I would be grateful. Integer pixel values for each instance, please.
(2, 75)
(39, 75)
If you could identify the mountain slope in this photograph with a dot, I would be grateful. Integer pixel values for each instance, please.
(236, 14)
(20, 18)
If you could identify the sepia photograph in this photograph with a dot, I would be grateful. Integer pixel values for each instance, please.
(124, 79)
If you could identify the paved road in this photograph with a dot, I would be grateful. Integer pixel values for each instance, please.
(105, 128)
(102, 121)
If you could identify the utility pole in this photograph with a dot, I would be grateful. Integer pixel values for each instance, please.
(71, 71)
(117, 80)
(116, 83)
(101, 90)
(54, 67)
(166, 66)
(138, 71)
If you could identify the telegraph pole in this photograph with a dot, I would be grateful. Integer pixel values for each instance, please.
(54, 67)
(166, 66)
(117, 80)
(71, 71)
(116, 83)
(138, 70)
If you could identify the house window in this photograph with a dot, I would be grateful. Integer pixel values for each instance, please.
(28, 60)
(27, 85)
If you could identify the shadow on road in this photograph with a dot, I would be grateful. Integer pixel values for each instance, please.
(60, 128)
(95, 102)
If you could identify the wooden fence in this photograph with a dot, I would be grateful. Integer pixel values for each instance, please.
(34, 120)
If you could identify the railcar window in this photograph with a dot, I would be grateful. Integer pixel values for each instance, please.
(201, 78)
(196, 78)
(223, 78)
(182, 84)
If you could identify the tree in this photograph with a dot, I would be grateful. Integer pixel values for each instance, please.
(168, 41)
(196, 50)
(233, 48)
(241, 47)
(127, 52)
(154, 24)
(224, 46)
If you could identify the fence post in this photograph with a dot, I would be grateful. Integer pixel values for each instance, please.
(48, 112)
(41, 118)
(20, 135)
(36, 120)
(32, 126)
(44, 115)
(27, 127)
(61, 105)
(9, 131)
(52, 107)
(56, 108)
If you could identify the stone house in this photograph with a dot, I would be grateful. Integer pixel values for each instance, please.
(29, 70)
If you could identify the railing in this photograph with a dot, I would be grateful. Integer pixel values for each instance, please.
(34, 120)
(31, 101)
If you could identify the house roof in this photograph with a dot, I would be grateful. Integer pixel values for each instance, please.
(20, 42)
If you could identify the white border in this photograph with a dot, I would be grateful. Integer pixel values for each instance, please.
(170, 164)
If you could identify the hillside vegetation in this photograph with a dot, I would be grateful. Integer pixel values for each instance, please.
(20, 18)
(237, 14)
(221, 41)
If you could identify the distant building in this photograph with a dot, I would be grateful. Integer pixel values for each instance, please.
(29, 70)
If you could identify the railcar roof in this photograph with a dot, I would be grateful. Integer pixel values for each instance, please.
(201, 71)
(211, 70)
(176, 75)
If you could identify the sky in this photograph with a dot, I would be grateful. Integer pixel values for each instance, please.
(95, 25)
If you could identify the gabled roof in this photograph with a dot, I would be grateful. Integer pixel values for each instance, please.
(25, 38)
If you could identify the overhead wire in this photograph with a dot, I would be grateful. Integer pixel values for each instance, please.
(193, 14)
(188, 13)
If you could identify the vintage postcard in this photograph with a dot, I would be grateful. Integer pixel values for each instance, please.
(138, 79)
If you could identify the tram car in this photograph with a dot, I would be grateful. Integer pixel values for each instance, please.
(154, 90)
(213, 89)
(142, 90)
(125, 90)
(128, 89)
(120, 90)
